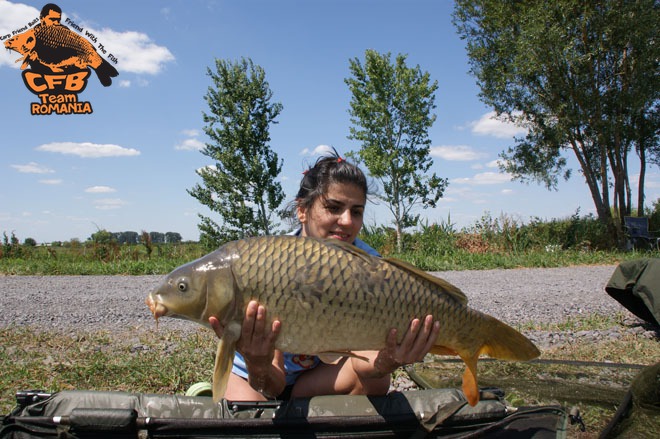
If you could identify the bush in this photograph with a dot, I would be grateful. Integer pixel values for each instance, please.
(654, 216)
(30, 242)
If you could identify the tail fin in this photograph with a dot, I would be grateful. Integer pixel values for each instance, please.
(499, 341)
(505, 343)
(105, 73)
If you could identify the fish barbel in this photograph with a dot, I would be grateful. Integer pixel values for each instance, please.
(331, 299)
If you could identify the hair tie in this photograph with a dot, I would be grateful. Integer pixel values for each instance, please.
(339, 159)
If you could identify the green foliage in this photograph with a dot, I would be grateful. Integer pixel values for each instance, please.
(502, 242)
(390, 111)
(654, 216)
(10, 246)
(30, 242)
(87, 259)
(240, 185)
(581, 77)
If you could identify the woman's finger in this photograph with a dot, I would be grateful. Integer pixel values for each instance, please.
(247, 330)
(411, 334)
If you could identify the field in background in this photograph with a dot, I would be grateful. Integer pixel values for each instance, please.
(489, 243)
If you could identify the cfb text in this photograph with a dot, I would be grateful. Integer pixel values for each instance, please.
(71, 83)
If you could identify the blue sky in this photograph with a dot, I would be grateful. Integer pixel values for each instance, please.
(127, 165)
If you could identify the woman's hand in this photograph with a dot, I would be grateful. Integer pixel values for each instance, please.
(414, 346)
(257, 345)
(257, 341)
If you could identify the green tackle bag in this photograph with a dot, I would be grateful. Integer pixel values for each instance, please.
(416, 414)
(636, 285)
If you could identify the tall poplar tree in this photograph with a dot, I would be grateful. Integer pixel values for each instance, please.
(240, 185)
(390, 111)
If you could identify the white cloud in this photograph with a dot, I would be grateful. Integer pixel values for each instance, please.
(14, 16)
(135, 51)
(52, 181)
(320, 150)
(191, 144)
(33, 168)
(100, 190)
(456, 153)
(88, 150)
(109, 203)
(490, 125)
(484, 178)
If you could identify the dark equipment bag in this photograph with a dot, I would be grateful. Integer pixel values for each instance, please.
(636, 285)
(421, 413)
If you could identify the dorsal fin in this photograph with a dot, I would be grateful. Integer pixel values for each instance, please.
(451, 290)
(446, 287)
(332, 242)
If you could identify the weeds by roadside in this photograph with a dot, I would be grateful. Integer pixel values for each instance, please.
(490, 243)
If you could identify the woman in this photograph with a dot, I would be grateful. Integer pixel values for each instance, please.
(329, 204)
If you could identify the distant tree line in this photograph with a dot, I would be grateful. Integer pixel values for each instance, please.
(130, 237)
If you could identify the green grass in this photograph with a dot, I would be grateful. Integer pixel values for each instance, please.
(158, 362)
(490, 243)
(40, 260)
(92, 259)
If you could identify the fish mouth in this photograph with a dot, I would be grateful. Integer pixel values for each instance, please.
(156, 308)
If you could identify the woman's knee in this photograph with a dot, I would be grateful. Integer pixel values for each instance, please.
(238, 389)
(374, 386)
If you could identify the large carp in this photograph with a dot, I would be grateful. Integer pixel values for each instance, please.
(331, 298)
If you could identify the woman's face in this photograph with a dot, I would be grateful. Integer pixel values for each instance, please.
(337, 215)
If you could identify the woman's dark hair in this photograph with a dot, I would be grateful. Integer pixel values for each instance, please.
(326, 171)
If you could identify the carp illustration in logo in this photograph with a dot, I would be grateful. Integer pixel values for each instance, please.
(52, 45)
(56, 63)
(57, 48)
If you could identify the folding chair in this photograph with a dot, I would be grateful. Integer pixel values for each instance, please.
(638, 234)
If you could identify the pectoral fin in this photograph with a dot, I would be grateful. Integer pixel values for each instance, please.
(334, 357)
(223, 362)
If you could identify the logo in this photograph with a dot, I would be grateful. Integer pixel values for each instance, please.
(57, 62)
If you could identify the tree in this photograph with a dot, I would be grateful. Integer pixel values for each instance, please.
(157, 237)
(390, 111)
(582, 77)
(240, 186)
(102, 236)
(173, 237)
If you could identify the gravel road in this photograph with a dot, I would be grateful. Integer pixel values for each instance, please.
(116, 303)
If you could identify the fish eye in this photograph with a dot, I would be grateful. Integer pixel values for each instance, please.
(182, 285)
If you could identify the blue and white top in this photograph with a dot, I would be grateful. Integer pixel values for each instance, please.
(295, 364)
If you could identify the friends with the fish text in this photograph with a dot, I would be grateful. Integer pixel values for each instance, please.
(330, 204)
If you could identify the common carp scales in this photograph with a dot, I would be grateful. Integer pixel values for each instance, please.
(331, 298)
